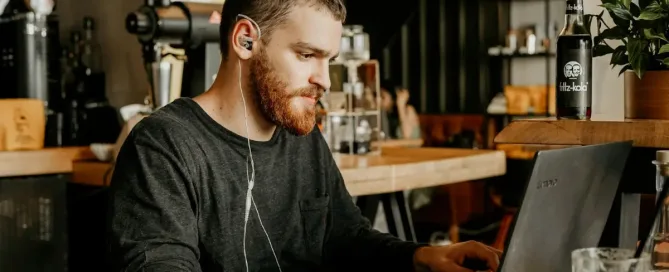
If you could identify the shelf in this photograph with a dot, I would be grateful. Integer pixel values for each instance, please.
(520, 115)
(519, 55)
(549, 131)
(525, 1)
(354, 113)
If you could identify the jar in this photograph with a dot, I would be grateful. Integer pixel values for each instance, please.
(354, 44)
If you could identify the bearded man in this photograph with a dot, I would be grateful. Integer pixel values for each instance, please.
(240, 178)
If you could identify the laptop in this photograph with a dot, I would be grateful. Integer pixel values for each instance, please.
(565, 206)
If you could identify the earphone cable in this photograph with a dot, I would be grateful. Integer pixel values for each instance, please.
(251, 183)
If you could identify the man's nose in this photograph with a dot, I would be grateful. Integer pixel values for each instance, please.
(321, 76)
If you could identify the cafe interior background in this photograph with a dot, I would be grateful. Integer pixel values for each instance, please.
(472, 67)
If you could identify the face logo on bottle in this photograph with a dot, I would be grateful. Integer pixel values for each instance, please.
(572, 70)
(574, 7)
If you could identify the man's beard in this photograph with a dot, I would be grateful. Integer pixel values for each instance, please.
(275, 100)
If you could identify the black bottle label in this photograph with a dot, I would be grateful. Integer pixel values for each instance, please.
(574, 78)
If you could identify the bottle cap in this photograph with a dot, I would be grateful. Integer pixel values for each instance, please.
(89, 23)
(75, 36)
(662, 156)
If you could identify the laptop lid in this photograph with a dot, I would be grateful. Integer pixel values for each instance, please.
(565, 206)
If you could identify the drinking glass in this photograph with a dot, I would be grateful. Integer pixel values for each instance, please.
(608, 260)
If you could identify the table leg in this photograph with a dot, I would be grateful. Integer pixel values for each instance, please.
(398, 215)
(369, 206)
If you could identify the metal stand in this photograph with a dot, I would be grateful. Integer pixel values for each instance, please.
(396, 211)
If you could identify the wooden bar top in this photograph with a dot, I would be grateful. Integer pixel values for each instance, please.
(398, 169)
(395, 169)
(398, 143)
(644, 133)
(46, 161)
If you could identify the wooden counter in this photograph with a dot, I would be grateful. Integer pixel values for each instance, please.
(394, 170)
(398, 169)
(398, 143)
(644, 133)
(41, 162)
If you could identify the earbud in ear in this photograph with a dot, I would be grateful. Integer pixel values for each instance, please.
(246, 42)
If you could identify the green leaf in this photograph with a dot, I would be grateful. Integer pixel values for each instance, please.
(664, 49)
(626, 3)
(650, 16)
(635, 10)
(609, 6)
(601, 50)
(666, 62)
(618, 57)
(653, 12)
(625, 68)
(651, 35)
(622, 13)
(638, 57)
(643, 3)
(621, 22)
(614, 33)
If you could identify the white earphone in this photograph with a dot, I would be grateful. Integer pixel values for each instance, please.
(247, 43)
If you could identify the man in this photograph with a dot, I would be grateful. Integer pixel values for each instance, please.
(240, 179)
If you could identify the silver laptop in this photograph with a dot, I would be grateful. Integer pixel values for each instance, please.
(565, 206)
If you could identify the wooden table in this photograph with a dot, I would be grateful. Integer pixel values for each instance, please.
(380, 178)
(395, 169)
(383, 178)
(399, 169)
(624, 222)
(41, 162)
(398, 143)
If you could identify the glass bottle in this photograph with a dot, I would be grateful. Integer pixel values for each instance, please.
(91, 61)
(574, 65)
(658, 245)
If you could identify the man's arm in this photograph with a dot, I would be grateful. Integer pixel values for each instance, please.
(353, 242)
(152, 220)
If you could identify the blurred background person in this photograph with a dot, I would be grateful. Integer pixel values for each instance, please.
(400, 117)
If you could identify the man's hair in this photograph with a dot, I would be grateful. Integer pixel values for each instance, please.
(269, 14)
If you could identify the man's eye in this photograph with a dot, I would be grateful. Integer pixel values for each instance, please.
(305, 56)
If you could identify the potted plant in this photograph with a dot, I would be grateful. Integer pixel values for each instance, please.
(638, 44)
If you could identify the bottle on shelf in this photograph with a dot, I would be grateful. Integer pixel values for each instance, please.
(574, 65)
(91, 59)
(73, 91)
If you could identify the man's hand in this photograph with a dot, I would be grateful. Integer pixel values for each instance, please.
(451, 258)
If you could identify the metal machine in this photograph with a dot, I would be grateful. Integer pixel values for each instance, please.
(180, 46)
(28, 49)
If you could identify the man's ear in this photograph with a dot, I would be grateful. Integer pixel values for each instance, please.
(244, 39)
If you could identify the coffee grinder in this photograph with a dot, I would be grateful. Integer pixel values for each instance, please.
(180, 47)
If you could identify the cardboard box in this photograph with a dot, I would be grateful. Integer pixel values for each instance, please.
(22, 124)
(530, 99)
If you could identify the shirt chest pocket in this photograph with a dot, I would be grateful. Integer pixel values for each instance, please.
(315, 212)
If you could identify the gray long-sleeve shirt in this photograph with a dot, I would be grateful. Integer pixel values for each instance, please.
(178, 201)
